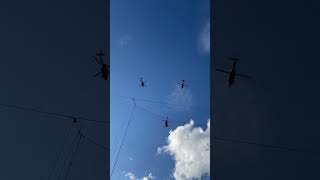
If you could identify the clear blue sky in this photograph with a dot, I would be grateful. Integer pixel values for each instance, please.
(158, 40)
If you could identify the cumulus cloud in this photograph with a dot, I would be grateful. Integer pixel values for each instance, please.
(204, 38)
(131, 176)
(124, 40)
(190, 148)
(180, 99)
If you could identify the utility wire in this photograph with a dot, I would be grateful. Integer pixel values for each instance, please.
(126, 130)
(59, 115)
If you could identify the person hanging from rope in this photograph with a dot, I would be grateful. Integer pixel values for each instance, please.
(182, 84)
(142, 82)
(166, 122)
(104, 68)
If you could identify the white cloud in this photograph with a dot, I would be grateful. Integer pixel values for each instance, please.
(148, 177)
(160, 150)
(180, 99)
(190, 148)
(130, 158)
(204, 38)
(131, 176)
(124, 40)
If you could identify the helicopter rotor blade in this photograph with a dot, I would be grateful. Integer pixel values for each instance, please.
(97, 74)
(233, 59)
(96, 59)
(221, 70)
(100, 53)
(221, 64)
(243, 75)
(101, 61)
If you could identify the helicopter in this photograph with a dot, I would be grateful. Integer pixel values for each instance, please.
(104, 68)
(232, 73)
(166, 122)
(142, 82)
(182, 84)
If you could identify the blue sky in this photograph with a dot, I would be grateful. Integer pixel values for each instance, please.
(163, 41)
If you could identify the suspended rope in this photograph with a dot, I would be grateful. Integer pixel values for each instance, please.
(66, 159)
(159, 115)
(54, 114)
(115, 143)
(232, 140)
(73, 156)
(126, 130)
(61, 153)
(95, 143)
(158, 102)
(257, 144)
(64, 171)
(153, 113)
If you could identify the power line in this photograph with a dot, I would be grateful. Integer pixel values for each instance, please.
(126, 130)
(58, 115)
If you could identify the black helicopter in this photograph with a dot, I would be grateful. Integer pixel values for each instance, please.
(166, 122)
(104, 68)
(142, 82)
(232, 73)
(182, 84)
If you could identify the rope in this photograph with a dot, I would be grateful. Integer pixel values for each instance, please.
(131, 117)
(58, 115)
